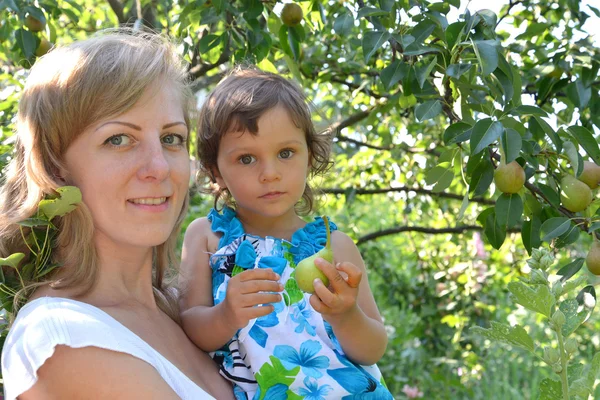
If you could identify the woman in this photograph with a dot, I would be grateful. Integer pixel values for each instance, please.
(110, 116)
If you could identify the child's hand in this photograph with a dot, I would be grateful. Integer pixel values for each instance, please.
(340, 297)
(246, 291)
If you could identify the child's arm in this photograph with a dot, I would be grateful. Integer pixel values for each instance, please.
(209, 326)
(349, 306)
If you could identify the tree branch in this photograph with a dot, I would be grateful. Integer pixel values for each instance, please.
(455, 196)
(117, 8)
(351, 120)
(511, 4)
(422, 229)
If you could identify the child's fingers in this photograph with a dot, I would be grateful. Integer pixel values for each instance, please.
(317, 304)
(354, 274)
(260, 311)
(324, 294)
(256, 286)
(258, 274)
(335, 279)
(251, 300)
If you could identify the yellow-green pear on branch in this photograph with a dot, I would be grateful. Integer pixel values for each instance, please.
(509, 178)
(307, 271)
(590, 175)
(575, 195)
(593, 258)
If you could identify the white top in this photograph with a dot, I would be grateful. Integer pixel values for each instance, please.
(53, 321)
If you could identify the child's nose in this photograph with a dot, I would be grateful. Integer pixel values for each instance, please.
(270, 173)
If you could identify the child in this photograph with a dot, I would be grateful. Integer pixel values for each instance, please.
(240, 301)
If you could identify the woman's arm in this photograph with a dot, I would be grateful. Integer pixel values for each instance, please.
(95, 373)
(349, 306)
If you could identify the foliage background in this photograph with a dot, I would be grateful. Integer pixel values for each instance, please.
(389, 77)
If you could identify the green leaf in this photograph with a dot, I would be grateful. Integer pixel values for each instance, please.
(457, 132)
(550, 390)
(571, 152)
(574, 314)
(494, 233)
(487, 55)
(463, 207)
(511, 143)
(26, 42)
(538, 299)
(550, 194)
(371, 12)
(529, 110)
(428, 110)
(420, 32)
(372, 41)
(485, 132)
(454, 33)
(69, 197)
(393, 73)
(423, 72)
(567, 271)
(569, 237)
(512, 335)
(441, 176)
(344, 23)
(457, 70)
(482, 177)
(587, 141)
(554, 227)
(13, 260)
(549, 131)
(274, 374)
(579, 94)
(509, 210)
(407, 101)
(31, 222)
(593, 371)
(208, 42)
(530, 234)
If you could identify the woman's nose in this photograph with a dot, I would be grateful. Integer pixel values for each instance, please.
(155, 165)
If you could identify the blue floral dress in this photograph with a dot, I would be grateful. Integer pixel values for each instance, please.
(291, 353)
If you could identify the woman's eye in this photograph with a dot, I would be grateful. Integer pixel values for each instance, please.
(286, 153)
(246, 159)
(173, 140)
(118, 140)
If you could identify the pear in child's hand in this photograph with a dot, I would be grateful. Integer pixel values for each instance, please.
(307, 271)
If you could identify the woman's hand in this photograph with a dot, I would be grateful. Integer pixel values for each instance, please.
(340, 298)
(250, 294)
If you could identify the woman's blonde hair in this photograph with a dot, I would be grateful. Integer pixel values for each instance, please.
(68, 90)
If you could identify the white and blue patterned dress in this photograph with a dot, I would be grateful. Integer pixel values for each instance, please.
(291, 353)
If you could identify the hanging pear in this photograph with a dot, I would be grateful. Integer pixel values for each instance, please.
(593, 258)
(307, 271)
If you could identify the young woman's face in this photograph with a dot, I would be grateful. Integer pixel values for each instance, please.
(265, 173)
(133, 170)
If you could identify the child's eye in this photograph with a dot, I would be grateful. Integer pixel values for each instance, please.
(287, 153)
(246, 159)
(173, 139)
(119, 140)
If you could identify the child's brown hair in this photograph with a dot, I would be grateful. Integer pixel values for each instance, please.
(237, 103)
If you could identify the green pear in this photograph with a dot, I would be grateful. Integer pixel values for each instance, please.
(575, 195)
(593, 258)
(307, 271)
(509, 178)
(590, 175)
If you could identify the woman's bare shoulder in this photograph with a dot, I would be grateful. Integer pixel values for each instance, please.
(103, 373)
